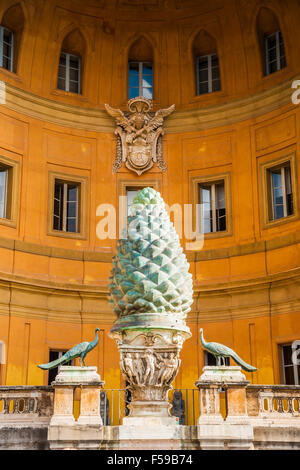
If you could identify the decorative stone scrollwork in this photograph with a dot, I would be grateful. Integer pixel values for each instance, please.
(149, 363)
(139, 134)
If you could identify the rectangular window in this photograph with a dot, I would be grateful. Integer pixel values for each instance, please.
(140, 79)
(53, 356)
(69, 70)
(66, 206)
(208, 74)
(3, 192)
(280, 192)
(291, 370)
(212, 207)
(275, 53)
(6, 175)
(6, 48)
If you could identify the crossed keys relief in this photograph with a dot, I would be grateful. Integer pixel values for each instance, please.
(150, 367)
(139, 135)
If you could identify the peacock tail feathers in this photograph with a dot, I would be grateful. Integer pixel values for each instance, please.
(53, 364)
(242, 363)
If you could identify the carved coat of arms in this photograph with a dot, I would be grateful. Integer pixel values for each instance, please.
(139, 135)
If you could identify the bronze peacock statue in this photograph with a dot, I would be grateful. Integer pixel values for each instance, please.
(220, 352)
(80, 350)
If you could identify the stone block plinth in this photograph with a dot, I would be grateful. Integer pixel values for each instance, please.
(75, 437)
(213, 431)
(89, 422)
(77, 375)
(69, 378)
(152, 434)
(90, 406)
(222, 374)
(63, 406)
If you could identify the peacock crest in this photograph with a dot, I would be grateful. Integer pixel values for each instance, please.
(150, 272)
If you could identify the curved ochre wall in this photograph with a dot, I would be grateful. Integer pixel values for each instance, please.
(53, 289)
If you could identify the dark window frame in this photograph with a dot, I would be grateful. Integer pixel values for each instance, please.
(65, 82)
(217, 218)
(9, 58)
(284, 366)
(278, 62)
(61, 218)
(211, 80)
(286, 189)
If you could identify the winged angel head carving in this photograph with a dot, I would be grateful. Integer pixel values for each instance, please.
(139, 135)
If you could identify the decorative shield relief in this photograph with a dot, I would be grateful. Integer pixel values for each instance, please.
(139, 135)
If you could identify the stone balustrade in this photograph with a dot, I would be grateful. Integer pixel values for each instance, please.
(273, 401)
(271, 411)
(19, 403)
(26, 403)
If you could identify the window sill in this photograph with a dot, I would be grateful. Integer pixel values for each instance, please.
(210, 236)
(61, 234)
(279, 73)
(281, 221)
(12, 75)
(214, 235)
(8, 222)
(69, 94)
(206, 97)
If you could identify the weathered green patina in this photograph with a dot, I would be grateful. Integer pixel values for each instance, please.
(80, 350)
(151, 286)
(220, 351)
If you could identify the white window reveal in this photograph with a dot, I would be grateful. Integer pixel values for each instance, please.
(66, 206)
(212, 207)
(281, 196)
(291, 370)
(3, 191)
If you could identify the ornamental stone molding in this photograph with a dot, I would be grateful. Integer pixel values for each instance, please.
(185, 120)
(139, 135)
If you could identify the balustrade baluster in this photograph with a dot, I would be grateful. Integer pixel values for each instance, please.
(279, 404)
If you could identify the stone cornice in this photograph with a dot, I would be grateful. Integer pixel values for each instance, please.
(106, 256)
(89, 304)
(233, 111)
(101, 291)
(189, 120)
(43, 109)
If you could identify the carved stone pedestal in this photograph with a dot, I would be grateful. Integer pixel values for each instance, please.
(64, 432)
(215, 432)
(149, 362)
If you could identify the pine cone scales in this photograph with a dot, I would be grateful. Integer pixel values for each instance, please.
(150, 271)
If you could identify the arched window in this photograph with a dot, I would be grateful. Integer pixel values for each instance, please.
(140, 69)
(11, 29)
(270, 41)
(207, 67)
(71, 62)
